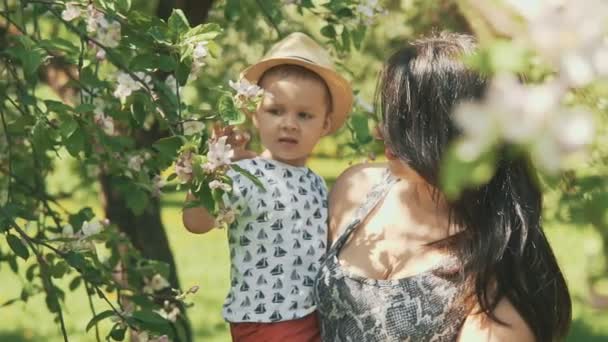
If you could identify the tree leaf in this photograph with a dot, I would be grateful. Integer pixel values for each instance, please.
(229, 112)
(118, 332)
(147, 316)
(17, 246)
(137, 199)
(178, 23)
(99, 317)
(328, 31)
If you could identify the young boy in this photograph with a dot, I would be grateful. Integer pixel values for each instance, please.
(280, 233)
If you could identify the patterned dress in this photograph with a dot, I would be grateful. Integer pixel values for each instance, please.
(421, 307)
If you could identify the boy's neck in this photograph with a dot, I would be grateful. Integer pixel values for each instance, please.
(296, 162)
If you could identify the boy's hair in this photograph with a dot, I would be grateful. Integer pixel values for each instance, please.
(291, 70)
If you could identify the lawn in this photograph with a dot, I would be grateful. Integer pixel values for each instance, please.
(203, 261)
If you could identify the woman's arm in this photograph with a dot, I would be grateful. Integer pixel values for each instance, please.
(197, 219)
(480, 328)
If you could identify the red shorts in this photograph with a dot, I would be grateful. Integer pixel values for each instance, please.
(305, 329)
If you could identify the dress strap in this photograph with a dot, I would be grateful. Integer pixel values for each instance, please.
(377, 192)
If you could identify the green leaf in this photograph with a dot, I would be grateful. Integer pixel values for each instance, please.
(85, 214)
(232, 10)
(29, 274)
(75, 260)
(361, 128)
(98, 318)
(152, 61)
(17, 246)
(123, 5)
(457, 175)
(138, 108)
(357, 36)
(183, 71)
(229, 112)
(167, 148)
(149, 317)
(75, 142)
(137, 199)
(328, 31)
(60, 44)
(178, 24)
(12, 262)
(85, 108)
(75, 283)
(118, 332)
(249, 175)
(52, 303)
(57, 107)
(345, 39)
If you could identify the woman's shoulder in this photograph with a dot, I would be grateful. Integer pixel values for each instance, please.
(364, 175)
(349, 192)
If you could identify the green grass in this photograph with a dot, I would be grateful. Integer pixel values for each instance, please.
(203, 260)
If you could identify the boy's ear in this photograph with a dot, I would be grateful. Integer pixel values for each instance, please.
(327, 124)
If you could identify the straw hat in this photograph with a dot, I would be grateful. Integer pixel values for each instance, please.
(299, 49)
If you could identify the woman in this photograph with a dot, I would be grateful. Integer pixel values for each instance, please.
(407, 264)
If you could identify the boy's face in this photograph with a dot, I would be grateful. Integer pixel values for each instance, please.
(292, 117)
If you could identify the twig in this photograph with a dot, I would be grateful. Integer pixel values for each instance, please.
(10, 155)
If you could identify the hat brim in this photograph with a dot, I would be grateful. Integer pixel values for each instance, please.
(341, 93)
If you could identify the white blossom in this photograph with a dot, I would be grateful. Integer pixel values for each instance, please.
(95, 19)
(193, 127)
(135, 163)
(72, 11)
(158, 182)
(127, 85)
(183, 167)
(109, 36)
(215, 184)
(158, 282)
(172, 84)
(91, 228)
(105, 122)
(226, 216)
(571, 34)
(574, 130)
(246, 89)
(100, 54)
(169, 312)
(220, 153)
(200, 50)
(368, 9)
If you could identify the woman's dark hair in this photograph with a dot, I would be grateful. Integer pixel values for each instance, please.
(503, 248)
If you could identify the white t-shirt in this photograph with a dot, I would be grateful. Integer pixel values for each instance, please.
(276, 241)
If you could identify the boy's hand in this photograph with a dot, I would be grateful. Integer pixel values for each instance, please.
(237, 139)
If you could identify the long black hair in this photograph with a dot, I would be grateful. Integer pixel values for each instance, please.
(503, 248)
